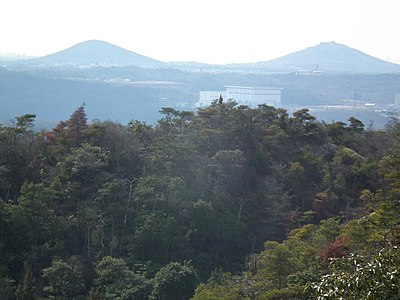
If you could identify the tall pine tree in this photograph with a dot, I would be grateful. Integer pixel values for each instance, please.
(76, 124)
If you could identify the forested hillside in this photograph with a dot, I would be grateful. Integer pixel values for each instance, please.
(228, 202)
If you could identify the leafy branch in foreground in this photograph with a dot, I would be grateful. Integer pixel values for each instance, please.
(357, 277)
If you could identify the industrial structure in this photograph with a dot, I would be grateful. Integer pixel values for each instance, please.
(397, 101)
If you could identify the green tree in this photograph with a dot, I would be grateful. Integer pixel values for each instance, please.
(27, 289)
(25, 122)
(62, 281)
(356, 125)
(277, 263)
(85, 162)
(220, 286)
(33, 230)
(305, 125)
(174, 281)
(116, 281)
(7, 288)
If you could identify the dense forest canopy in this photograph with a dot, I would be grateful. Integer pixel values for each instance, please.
(229, 202)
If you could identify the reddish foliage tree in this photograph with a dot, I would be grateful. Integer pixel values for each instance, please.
(54, 135)
(70, 130)
(337, 249)
(76, 124)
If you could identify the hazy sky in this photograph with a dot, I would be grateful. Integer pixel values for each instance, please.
(213, 31)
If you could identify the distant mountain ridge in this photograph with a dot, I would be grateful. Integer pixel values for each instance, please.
(327, 57)
(95, 52)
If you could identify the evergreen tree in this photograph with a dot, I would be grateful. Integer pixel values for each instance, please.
(76, 125)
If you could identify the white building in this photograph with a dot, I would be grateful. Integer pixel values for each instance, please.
(244, 95)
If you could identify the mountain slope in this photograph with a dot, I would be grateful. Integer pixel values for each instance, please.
(53, 99)
(329, 57)
(95, 52)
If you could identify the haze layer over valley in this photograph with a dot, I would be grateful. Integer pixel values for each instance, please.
(333, 80)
